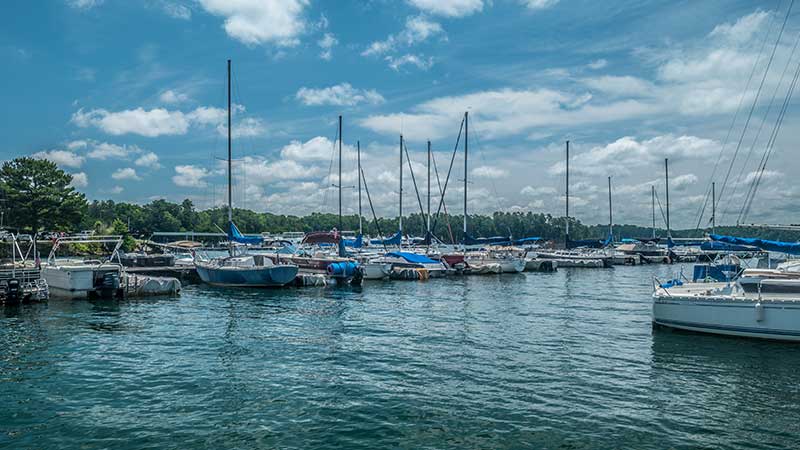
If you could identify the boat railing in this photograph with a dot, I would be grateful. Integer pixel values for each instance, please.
(94, 239)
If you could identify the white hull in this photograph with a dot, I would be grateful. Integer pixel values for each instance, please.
(376, 271)
(731, 315)
(75, 281)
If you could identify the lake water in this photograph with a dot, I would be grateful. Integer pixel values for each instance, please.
(561, 360)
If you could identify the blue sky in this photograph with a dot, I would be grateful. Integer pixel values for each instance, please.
(129, 96)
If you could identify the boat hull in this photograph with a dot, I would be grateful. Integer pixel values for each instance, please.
(730, 316)
(274, 276)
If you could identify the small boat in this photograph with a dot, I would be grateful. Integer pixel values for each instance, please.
(404, 265)
(567, 258)
(90, 278)
(242, 270)
(21, 280)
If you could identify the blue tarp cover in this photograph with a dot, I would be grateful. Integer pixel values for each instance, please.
(527, 240)
(394, 240)
(235, 235)
(792, 248)
(412, 257)
(725, 247)
(355, 243)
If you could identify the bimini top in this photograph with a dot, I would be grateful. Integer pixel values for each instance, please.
(413, 257)
(322, 237)
(792, 248)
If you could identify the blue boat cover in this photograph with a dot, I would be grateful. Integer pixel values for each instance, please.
(412, 257)
(792, 248)
(234, 235)
(397, 239)
(725, 247)
(527, 240)
(590, 243)
(355, 243)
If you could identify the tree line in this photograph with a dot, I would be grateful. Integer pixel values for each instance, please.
(37, 196)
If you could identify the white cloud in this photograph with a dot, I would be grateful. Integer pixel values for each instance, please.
(74, 145)
(327, 43)
(259, 22)
(149, 159)
(128, 173)
(116, 190)
(537, 191)
(171, 96)
(152, 123)
(539, 4)
(247, 127)
(176, 10)
(417, 29)
(488, 172)
(318, 148)
(597, 64)
(449, 8)
(79, 180)
(627, 153)
(190, 176)
(683, 182)
(342, 94)
(417, 61)
(63, 158)
(159, 121)
(84, 4)
(743, 29)
(104, 150)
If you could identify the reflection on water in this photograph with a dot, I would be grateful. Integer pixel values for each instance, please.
(563, 360)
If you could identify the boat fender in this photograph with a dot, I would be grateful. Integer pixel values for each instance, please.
(759, 312)
(342, 269)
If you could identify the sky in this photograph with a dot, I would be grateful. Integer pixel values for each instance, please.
(130, 98)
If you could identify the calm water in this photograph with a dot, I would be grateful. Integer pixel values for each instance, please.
(564, 360)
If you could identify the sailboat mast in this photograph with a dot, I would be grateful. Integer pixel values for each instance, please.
(567, 195)
(653, 205)
(610, 217)
(429, 190)
(358, 156)
(666, 182)
(230, 195)
(340, 174)
(466, 152)
(713, 207)
(401, 188)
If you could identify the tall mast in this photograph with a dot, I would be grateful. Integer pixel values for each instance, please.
(401, 189)
(466, 151)
(429, 190)
(653, 205)
(713, 206)
(358, 153)
(230, 201)
(610, 217)
(340, 173)
(567, 196)
(666, 182)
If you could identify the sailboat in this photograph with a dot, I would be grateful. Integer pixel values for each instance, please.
(485, 259)
(242, 270)
(577, 257)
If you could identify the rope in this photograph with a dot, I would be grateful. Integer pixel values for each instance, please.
(755, 100)
(449, 171)
(414, 180)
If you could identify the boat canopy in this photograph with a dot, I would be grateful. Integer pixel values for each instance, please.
(321, 237)
(792, 248)
(412, 257)
(358, 242)
(234, 235)
(397, 239)
(590, 243)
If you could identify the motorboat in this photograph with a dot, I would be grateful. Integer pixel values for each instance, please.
(88, 278)
(20, 278)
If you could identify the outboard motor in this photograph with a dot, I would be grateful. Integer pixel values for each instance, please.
(109, 285)
(13, 294)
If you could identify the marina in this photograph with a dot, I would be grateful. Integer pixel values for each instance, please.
(419, 224)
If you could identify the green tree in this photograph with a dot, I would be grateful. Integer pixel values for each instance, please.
(39, 196)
